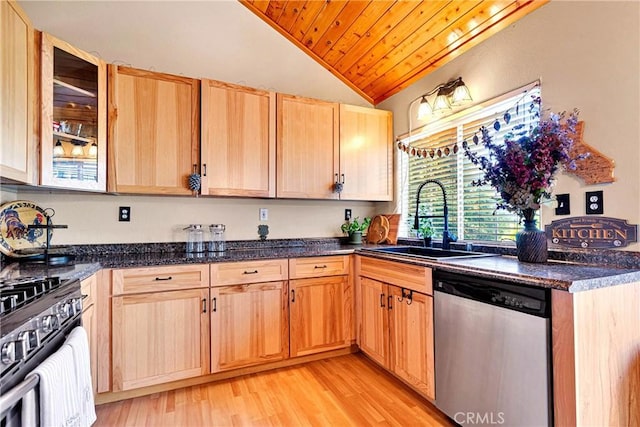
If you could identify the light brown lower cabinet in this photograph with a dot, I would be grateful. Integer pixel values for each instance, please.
(160, 327)
(320, 304)
(248, 325)
(89, 322)
(397, 332)
(396, 321)
(316, 307)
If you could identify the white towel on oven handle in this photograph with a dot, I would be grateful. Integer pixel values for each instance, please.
(58, 390)
(79, 342)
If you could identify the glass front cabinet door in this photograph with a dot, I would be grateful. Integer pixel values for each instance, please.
(74, 117)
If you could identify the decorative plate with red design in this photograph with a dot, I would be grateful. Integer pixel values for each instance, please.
(15, 234)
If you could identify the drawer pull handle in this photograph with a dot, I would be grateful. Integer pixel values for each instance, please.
(163, 278)
(320, 266)
(251, 272)
(204, 305)
(214, 303)
(389, 299)
(382, 300)
(293, 295)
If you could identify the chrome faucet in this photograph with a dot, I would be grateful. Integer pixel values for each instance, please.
(446, 236)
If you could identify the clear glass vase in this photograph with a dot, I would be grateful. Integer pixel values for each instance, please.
(531, 243)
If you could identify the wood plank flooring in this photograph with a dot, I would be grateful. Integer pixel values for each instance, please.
(341, 391)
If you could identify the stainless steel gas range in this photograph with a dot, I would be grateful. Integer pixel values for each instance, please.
(36, 315)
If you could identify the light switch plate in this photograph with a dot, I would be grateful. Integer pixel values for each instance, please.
(264, 214)
(564, 206)
(594, 203)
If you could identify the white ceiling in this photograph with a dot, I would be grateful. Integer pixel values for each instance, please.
(215, 39)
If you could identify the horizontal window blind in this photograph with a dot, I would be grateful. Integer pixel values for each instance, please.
(440, 156)
(437, 162)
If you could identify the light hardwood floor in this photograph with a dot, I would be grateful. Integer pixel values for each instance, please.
(342, 391)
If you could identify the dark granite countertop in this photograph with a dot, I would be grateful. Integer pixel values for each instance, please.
(572, 277)
(553, 274)
(232, 255)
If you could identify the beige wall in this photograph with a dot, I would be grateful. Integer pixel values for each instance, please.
(93, 218)
(587, 55)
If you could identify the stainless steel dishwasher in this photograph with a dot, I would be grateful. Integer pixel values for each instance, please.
(492, 351)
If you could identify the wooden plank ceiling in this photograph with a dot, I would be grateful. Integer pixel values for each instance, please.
(379, 47)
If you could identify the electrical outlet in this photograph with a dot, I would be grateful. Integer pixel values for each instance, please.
(594, 202)
(264, 214)
(347, 214)
(124, 213)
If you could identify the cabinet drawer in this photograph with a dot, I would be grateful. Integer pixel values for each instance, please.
(88, 288)
(234, 273)
(156, 279)
(406, 276)
(302, 268)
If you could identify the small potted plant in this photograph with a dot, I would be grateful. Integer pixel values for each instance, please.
(425, 231)
(354, 229)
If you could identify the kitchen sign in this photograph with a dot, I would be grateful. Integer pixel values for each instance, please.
(592, 232)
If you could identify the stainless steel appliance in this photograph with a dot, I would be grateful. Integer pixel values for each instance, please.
(36, 315)
(492, 351)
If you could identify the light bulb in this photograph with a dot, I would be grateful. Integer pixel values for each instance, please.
(441, 104)
(77, 151)
(58, 149)
(93, 150)
(461, 94)
(424, 109)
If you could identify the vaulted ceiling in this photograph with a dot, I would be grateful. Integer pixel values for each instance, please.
(379, 47)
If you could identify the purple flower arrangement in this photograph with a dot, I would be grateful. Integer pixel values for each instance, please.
(522, 169)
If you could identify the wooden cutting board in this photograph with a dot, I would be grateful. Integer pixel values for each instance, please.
(378, 229)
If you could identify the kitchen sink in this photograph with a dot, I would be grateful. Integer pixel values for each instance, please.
(428, 253)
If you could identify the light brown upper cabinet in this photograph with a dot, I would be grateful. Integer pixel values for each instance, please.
(307, 148)
(74, 117)
(366, 156)
(18, 94)
(321, 144)
(154, 131)
(238, 140)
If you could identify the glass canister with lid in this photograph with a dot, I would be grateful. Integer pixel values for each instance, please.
(195, 238)
(217, 241)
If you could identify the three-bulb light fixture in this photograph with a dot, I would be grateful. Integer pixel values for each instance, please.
(76, 151)
(451, 94)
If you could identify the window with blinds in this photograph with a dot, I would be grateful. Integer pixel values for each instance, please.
(438, 155)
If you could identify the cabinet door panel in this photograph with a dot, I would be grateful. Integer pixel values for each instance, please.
(73, 116)
(238, 140)
(159, 337)
(366, 153)
(317, 309)
(154, 131)
(307, 148)
(90, 325)
(411, 339)
(373, 320)
(248, 325)
(17, 86)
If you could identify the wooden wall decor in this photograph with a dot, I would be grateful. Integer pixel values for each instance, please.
(592, 232)
(596, 168)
